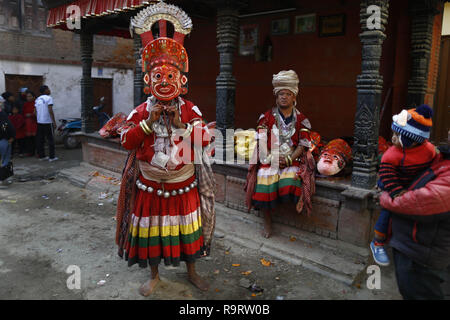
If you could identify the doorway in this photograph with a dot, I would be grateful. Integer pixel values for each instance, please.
(103, 88)
(13, 82)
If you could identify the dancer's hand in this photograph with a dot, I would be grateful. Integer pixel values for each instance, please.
(282, 162)
(155, 114)
(174, 116)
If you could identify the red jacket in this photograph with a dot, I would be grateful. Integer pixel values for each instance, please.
(400, 166)
(432, 199)
(18, 122)
(421, 217)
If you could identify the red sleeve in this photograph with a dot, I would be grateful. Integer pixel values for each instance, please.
(389, 175)
(133, 135)
(21, 122)
(264, 126)
(432, 199)
(200, 134)
(303, 127)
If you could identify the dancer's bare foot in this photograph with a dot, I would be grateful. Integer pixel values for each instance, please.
(267, 232)
(147, 288)
(198, 281)
(299, 206)
(194, 278)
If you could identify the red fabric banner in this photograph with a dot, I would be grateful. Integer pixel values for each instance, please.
(93, 8)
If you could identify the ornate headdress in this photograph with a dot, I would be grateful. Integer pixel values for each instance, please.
(162, 50)
(285, 80)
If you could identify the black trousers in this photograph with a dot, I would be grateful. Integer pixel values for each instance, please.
(20, 143)
(30, 145)
(416, 281)
(45, 132)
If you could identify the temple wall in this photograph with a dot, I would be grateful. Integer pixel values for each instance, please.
(327, 67)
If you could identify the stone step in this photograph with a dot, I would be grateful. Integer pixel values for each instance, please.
(332, 258)
(82, 176)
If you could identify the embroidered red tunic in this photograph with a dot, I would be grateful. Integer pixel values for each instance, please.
(267, 122)
(134, 137)
(168, 229)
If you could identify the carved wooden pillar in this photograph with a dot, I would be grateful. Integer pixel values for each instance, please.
(370, 86)
(227, 34)
(422, 19)
(87, 89)
(138, 84)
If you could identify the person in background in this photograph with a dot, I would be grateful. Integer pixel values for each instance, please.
(18, 122)
(9, 100)
(7, 134)
(275, 179)
(46, 124)
(22, 98)
(30, 124)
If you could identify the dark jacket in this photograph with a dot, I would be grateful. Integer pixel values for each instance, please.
(7, 130)
(7, 106)
(421, 217)
(19, 104)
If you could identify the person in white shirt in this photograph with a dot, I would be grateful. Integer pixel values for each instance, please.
(46, 124)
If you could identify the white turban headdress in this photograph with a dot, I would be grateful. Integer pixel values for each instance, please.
(285, 80)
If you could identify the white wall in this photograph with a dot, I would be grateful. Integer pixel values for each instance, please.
(64, 83)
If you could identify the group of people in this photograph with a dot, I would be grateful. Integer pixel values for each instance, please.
(165, 212)
(25, 124)
(21, 114)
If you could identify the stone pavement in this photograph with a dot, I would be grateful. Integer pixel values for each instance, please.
(331, 258)
(31, 168)
(302, 265)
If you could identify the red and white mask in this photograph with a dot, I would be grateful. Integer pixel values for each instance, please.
(166, 82)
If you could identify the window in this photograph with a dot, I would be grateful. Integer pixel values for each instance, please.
(24, 16)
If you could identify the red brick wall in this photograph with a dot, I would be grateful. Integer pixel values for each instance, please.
(434, 60)
(63, 47)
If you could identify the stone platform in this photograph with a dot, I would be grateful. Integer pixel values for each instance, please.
(331, 258)
(340, 212)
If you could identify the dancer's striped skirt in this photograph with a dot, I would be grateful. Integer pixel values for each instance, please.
(275, 186)
(168, 229)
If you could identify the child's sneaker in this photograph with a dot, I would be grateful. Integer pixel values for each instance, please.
(379, 254)
(43, 158)
(53, 159)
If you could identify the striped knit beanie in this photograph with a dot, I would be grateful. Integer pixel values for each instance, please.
(413, 125)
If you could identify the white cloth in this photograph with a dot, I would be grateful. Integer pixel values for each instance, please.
(285, 80)
(41, 104)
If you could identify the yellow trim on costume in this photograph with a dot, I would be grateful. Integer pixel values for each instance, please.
(268, 180)
(165, 231)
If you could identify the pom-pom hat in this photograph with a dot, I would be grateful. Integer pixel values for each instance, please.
(414, 124)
